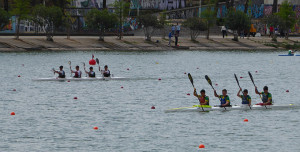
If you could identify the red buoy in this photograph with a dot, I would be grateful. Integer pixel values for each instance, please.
(69, 81)
(19, 76)
(14, 90)
(201, 146)
(75, 98)
(256, 71)
(188, 94)
(159, 79)
(245, 120)
(96, 128)
(287, 91)
(12, 113)
(128, 69)
(216, 84)
(241, 77)
(92, 61)
(152, 107)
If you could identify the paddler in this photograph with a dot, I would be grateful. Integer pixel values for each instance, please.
(224, 98)
(246, 99)
(266, 96)
(61, 72)
(91, 73)
(77, 72)
(291, 52)
(105, 72)
(203, 99)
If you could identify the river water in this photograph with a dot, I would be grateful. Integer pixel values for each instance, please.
(49, 119)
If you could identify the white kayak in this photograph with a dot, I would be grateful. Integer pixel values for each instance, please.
(81, 79)
(199, 108)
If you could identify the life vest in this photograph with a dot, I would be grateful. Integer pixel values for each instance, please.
(245, 99)
(61, 74)
(223, 99)
(92, 74)
(265, 97)
(77, 74)
(106, 73)
(202, 99)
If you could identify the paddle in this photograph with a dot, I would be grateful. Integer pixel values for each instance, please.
(70, 67)
(97, 60)
(209, 82)
(192, 81)
(237, 81)
(254, 84)
(84, 68)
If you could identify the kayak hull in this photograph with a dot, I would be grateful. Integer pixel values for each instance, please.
(198, 108)
(286, 55)
(81, 79)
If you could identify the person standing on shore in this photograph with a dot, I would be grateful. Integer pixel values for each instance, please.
(176, 39)
(271, 31)
(173, 29)
(170, 38)
(178, 28)
(223, 30)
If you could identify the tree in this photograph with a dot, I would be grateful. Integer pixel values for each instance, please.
(162, 24)
(237, 21)
(121, 9)
(4, 18)
(196, 25)
(101, 20)
(48, 17)
(209, 16)
(21, 9)
(149, 23)
(274, 7)
(288, 18)
(272, 20)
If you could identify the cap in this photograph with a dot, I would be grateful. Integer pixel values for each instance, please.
(245, 90)
(91, 67)
(266, 88)
(202, 91)
(61, 67)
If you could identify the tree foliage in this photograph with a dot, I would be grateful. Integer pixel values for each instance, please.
(196, 25)
(149, 23)
(237, 21)
(121, 9)
(287, 17)
(101, 20)
(21, 9)
(48, 17)
(4, 18)
(210, 15)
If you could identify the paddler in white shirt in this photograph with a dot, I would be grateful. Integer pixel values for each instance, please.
(61, 72)
(203, 99)
(77, 72)
(91, 73)
(105, 72)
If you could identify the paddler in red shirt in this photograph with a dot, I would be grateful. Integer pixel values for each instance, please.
(77, 72)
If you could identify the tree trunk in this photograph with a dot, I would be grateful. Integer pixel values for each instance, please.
(18, 28)
(246, 7)
(274, 8)
(235, 36)
(101, 35)
(68, 32)
(207, 35)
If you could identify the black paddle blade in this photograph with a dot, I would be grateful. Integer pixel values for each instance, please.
(251, 77)
(237, 81)
(208, 80)
(97, 60)
(191, 78)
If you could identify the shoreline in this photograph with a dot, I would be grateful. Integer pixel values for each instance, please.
(137, 43)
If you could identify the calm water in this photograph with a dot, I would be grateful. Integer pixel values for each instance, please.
(49, 119)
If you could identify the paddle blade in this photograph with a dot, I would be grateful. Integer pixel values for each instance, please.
(191, 79)
(208, 80)
(251, 77)
(83, 63)
(97, 60)
(69, 62)
(237, 81)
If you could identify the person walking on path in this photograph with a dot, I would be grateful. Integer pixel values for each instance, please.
(170, 38)
(223, 30)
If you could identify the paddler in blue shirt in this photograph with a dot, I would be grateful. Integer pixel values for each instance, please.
(246, 99)
(105, 72)
(266, 96)
(203, 99)
(91, 73)
(224, 98)
(61, 72)
(77, 72)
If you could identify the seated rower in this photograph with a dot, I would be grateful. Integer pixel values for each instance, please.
(203, 99)
(224, 98)
(91, 73)
(246, 99)
(266, 96)
(105, 72)
(291, 52)
(77, 72)
(61, 72)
